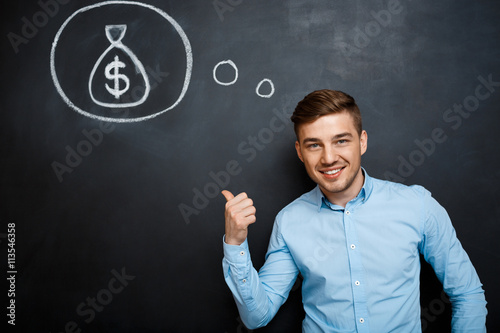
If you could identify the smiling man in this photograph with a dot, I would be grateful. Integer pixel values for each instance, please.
(355, 240)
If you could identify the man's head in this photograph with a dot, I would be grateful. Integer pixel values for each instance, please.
(330, 142)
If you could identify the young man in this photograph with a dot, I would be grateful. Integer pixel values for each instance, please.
(355, 239)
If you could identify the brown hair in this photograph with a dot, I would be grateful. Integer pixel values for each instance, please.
(324, 102)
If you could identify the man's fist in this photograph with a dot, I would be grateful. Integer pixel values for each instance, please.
(240, 213)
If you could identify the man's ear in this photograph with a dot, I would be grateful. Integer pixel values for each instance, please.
(297, 148)
(363, 140)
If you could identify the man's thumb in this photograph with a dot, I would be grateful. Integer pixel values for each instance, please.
(228, 195)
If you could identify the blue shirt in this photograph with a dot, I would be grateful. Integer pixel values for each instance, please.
(360, 264)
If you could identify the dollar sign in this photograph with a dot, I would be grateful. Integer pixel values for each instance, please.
(112, 73)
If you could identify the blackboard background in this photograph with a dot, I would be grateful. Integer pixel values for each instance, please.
(118, 210)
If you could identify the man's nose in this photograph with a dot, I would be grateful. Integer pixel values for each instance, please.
(329, 156)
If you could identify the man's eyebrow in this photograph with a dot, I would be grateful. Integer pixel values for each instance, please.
(306, 140)
(342, 135)
(335, 137)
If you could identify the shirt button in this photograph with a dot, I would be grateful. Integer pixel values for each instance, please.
(361, 320)
(353, 246)
(357, 283)
(347, 212)
(242, 253)
(244, 280)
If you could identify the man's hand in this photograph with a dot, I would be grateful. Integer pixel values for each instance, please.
(240, 213)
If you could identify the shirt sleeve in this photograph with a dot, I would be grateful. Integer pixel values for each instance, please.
(442, 249)
(258, 296)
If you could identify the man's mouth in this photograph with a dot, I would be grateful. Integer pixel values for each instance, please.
(332, 172)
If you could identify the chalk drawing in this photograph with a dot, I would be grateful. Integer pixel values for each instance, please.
(182, 34)
(232, 64)
(260, 84)
(112, 69)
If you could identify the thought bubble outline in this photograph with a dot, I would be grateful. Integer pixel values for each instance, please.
(180, 31)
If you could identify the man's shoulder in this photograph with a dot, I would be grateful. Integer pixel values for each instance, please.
(304, 203)
(390, 188)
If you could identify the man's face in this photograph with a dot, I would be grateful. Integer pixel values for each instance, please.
(331, 150)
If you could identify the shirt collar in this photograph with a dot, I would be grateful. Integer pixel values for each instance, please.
(321, 201)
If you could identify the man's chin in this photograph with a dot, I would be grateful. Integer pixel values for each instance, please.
(339, 188)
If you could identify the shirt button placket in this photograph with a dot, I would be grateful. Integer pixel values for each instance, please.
(356, 272)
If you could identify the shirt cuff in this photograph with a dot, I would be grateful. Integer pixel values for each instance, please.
(236, 253)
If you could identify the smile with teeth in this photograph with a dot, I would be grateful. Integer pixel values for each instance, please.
(332, 172)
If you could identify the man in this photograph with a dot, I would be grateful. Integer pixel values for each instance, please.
(355, 239)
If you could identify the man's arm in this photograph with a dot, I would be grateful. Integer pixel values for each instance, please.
(258, 296)
(452, 265)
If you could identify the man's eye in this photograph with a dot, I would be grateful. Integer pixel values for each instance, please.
(313, 145)
(341, 142)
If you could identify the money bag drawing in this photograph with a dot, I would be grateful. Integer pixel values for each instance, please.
(112, 93)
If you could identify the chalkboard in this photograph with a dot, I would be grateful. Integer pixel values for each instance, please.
(122, 121)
